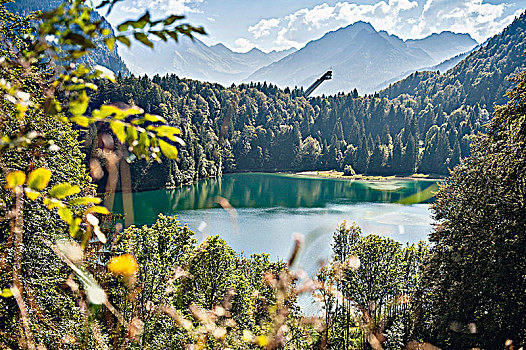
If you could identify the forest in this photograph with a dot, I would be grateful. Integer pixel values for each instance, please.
(72, 276)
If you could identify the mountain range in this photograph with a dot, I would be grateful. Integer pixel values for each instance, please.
(423, 123)
(194, 59)
(361, 57)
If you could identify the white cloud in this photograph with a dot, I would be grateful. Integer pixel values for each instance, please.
(299, 27)
(244, 45)
(405, 18)
(131, 9)
(211, 19)
(263, 27)
(476, 17)
(170, 6)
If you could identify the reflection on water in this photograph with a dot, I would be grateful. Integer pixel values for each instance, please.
(258, 212)
(256, 190)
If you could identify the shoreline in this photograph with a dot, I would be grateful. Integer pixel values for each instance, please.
(314, 174)
(333, 174)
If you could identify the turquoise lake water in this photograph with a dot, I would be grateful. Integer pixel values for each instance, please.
(260, 213)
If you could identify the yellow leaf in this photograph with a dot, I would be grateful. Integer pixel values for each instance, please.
(80, 120)
(118, 130)
(84, 201)
(38, 179)
(78, 106)
(15, 178)
(6, 293)
(63, 190)
(124, 265)
(262, 340)
(31, 194)
(110, 43)
(97, 209)
(51, 203)
(154, 118)
(66, 215)
(168, 150)
(74, 227)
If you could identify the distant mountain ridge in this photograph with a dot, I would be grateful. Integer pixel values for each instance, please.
(443, 46)
(196, 60)
(442, 67)
(362, 58)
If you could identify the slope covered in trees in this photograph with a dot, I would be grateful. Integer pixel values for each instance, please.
(480, 78)
(475, 278)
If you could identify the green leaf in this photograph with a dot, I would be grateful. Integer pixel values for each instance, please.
(38, 179)
(141, 22)
(168, 150)
(6, 293)
(63, 190)
(123, 40)
(77, 39)
(171, 19)
(144, 141)
(132, 134)
(15, 178)
(118, 130)
(124, 26)
(84, 201)
(65, 214)
(143, 38)
(160, 35)
(174, 36)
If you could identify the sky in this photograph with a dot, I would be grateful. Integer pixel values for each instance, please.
(282, 24)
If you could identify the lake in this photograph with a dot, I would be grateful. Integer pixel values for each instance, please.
(260, 213)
